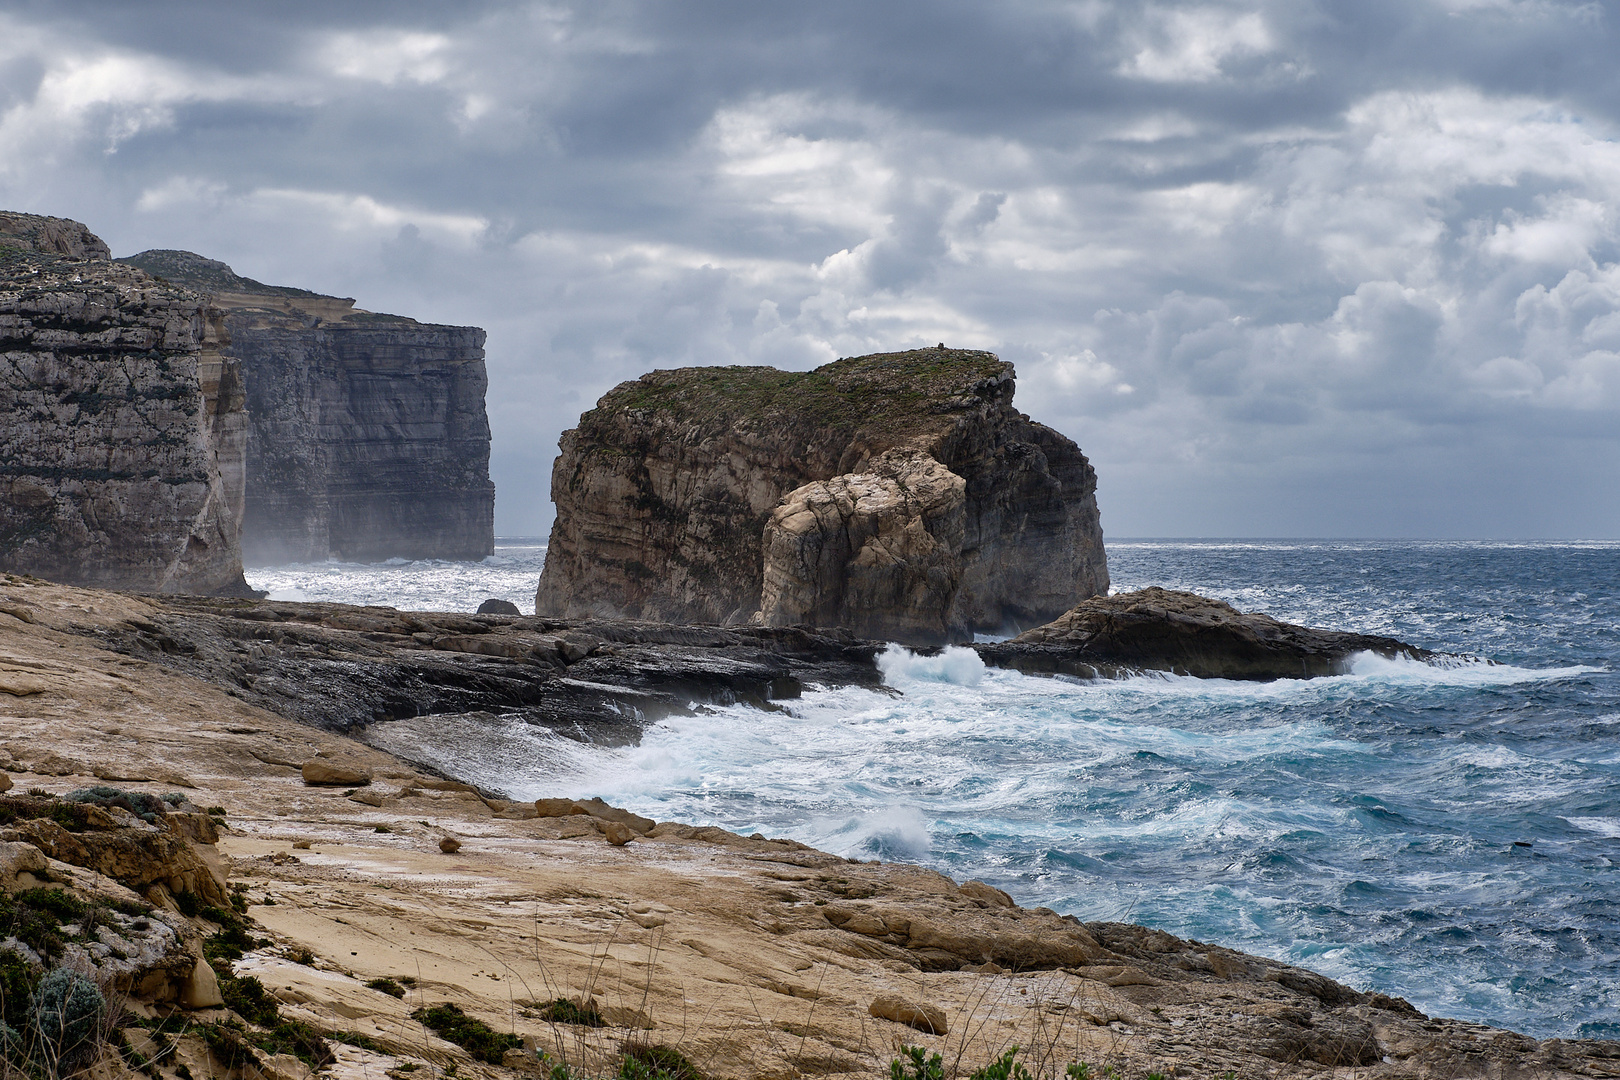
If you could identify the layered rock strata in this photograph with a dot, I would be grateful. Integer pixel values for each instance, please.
(122, 422)
(898, 494)
(369, 438)
(1158, 629)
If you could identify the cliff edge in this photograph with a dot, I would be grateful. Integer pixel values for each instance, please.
(369, 439)
(899, 495)
(122, 430)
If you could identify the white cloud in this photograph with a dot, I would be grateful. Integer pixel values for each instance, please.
(1193, 44)
(388, 56)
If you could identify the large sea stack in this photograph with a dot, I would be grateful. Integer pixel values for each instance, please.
(900, 495)
(369, 438)
(122, 427)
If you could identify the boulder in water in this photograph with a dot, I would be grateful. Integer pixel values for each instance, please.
(1156, 629)
(496, 606)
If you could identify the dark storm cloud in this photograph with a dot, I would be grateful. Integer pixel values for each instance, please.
(1337, 267)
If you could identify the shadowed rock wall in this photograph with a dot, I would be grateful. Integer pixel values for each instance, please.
(369, 435)
(898, 494)
(122, 426)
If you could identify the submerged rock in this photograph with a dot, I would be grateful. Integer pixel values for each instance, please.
(1158, 629)
(899, 495)
(122, 426)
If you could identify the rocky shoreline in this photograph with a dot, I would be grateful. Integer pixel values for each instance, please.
(746, 956)
(340, 668)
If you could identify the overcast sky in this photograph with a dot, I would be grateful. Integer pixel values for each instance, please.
(1332, 268)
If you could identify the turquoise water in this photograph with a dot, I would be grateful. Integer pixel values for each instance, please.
(1447, 833)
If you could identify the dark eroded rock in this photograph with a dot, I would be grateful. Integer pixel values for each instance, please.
(1158, 629)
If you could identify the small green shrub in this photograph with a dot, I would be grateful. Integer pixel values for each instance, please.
(387, 986)
(298, 1039)
(229, 1043)
(643, 1062)
(563, 1011)
(17, 982)
(146, 807)
(471, 1034)
(247, 997)
(1003, 1068)
(921, 1066)
(355, 1038)
(65, 1015)
(37, 929)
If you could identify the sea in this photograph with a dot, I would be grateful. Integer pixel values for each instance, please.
(1447, 832)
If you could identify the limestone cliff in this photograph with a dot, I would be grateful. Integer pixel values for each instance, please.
(369, 438)
(122, 430)
(898, 494)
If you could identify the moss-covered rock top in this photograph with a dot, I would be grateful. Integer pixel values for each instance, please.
(49, 236)
(903, 391)
(206, 275)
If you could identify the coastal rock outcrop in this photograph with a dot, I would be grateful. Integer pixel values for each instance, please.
(369, 438)
(899, 494)
(1158, 629)
(122, 422)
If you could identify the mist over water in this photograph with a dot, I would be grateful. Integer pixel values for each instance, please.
(1449, 833)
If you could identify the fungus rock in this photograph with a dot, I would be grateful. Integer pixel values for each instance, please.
(899, 494)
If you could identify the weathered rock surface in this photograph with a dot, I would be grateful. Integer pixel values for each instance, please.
(369, 434)
(783, 948)
(1158, 629)
(899, 493)
(122, 423)
(340, 668)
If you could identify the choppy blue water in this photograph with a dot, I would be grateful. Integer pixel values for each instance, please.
(1449, 834)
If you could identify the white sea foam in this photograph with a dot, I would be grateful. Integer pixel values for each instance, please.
(422, 585)
(952, 664)
(1603, 826)
(1455, 671)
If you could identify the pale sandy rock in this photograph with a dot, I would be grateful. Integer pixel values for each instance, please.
(991, 895)
(920, 1015)
(5, 782)
(18, 859)
(877, 551)
(333, 772)
(22, 683)
(618, 835)
(201, 990)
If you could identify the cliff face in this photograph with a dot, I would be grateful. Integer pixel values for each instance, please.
(898, 494)
(122, 427)
(369, 438)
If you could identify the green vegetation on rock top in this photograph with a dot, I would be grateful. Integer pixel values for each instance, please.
(900, 389)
